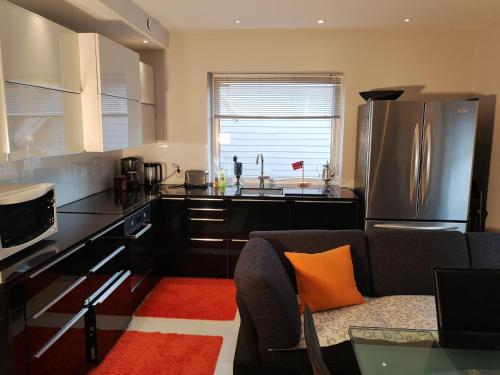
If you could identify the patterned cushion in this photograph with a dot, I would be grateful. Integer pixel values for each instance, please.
(410, 312)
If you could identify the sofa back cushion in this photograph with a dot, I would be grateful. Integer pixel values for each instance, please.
(315, 241)
(402, 261)
(268, 296)
(484, 250)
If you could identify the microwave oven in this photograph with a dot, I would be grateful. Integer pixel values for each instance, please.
(27, 216)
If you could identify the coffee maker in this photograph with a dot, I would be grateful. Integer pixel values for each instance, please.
(130, 169)
(153, 174)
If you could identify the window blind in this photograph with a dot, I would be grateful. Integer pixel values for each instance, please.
(285, 117)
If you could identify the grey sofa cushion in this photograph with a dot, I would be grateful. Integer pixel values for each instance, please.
(315, 241)
(268, 295)
(402, 261)
(484, 249)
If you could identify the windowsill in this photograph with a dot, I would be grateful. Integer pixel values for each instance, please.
(254, 181)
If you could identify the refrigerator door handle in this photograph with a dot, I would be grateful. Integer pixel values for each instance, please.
(426, 165)
(414, 163)
(410, 227)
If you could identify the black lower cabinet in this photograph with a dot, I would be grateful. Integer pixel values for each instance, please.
(312, 214)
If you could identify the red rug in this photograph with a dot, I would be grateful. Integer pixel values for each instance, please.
(191, 298)
(161, 354)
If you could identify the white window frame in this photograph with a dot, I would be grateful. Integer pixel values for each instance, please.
(337, 132)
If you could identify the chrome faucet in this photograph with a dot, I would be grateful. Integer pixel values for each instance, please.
(261, 177)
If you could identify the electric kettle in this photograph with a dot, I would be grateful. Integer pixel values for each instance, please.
(153, 174)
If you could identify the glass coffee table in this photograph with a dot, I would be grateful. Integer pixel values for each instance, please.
(381, 351)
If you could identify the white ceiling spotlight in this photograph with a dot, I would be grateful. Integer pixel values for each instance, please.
(145, 41)
(237, 22)
(407, 20)
(321, 22)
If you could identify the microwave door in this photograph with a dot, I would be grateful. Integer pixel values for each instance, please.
(393, 161)
(447, 159)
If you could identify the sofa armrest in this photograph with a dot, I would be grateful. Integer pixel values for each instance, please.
(268, 295)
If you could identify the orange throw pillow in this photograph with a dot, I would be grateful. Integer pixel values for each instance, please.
(326, 280)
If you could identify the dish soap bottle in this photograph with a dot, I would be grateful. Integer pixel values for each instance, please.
(222, 178)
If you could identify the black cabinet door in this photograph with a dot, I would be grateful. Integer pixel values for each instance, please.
(247, 215)
(310, 214)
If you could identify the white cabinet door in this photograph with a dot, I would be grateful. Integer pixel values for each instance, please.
(119, 70)
(147, 83)
(121, 123)
(42, 122)
(37, 51)
(148, 123)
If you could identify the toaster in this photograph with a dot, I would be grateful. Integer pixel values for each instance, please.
(195, 178)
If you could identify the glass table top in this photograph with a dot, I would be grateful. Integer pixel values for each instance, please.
(381, 351)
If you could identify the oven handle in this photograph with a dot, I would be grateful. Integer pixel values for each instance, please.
(60, 333)
(59, 297)
(107, 259)
(112, 289)
(74, 250)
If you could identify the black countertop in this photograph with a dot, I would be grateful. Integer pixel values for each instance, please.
(290, 193)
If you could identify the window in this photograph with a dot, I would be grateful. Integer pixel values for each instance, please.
(285, 117)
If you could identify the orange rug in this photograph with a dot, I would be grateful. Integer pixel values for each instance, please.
(139, 353)
(191, 298)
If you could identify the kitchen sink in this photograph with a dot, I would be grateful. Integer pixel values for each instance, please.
(259, 191)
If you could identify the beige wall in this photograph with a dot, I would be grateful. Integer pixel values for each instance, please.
(439, 62)
(487, 82)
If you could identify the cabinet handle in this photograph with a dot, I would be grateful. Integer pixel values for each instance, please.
(59, 297)
(103, 287)
(205, 219)
(106, 231)
(327, 202)
(140, 281)
(111, 290)
(60, 333)
(207, 199)
(235, 240)
(207, 239)
(141, 232)
(261, 200)
(107, 259)
(208, 209)
(173, 198)
(74, 250)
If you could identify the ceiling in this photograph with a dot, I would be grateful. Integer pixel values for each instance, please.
(199, 15)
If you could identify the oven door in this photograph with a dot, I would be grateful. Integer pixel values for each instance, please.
(25, 220)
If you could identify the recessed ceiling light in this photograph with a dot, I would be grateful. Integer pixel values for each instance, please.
(145, 41)
(321, 21)
(237, 21)
(407, 20)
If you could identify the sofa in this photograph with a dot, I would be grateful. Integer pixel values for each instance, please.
(386, 263)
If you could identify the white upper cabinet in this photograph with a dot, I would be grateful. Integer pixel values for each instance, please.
(37, 51)
(111, 94)
(147, 83)
(108, 68)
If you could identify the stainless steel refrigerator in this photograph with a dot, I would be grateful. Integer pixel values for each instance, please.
(414, 163)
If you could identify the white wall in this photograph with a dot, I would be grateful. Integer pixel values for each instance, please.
(487, 82)
(439, 62)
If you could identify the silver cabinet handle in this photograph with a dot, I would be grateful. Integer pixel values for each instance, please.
(141, 232)
(173, 198)
(414, 163)
(59, 297)
(106, 231)
(107, 259)
(205, 219)
(208, 209)
(324, 202)
(207, 199)
(112, 289)
(72, 251)
(261, 200)
(236, 240)
(405, 226)
(60, 333)
(207, 239)
(132, 290)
